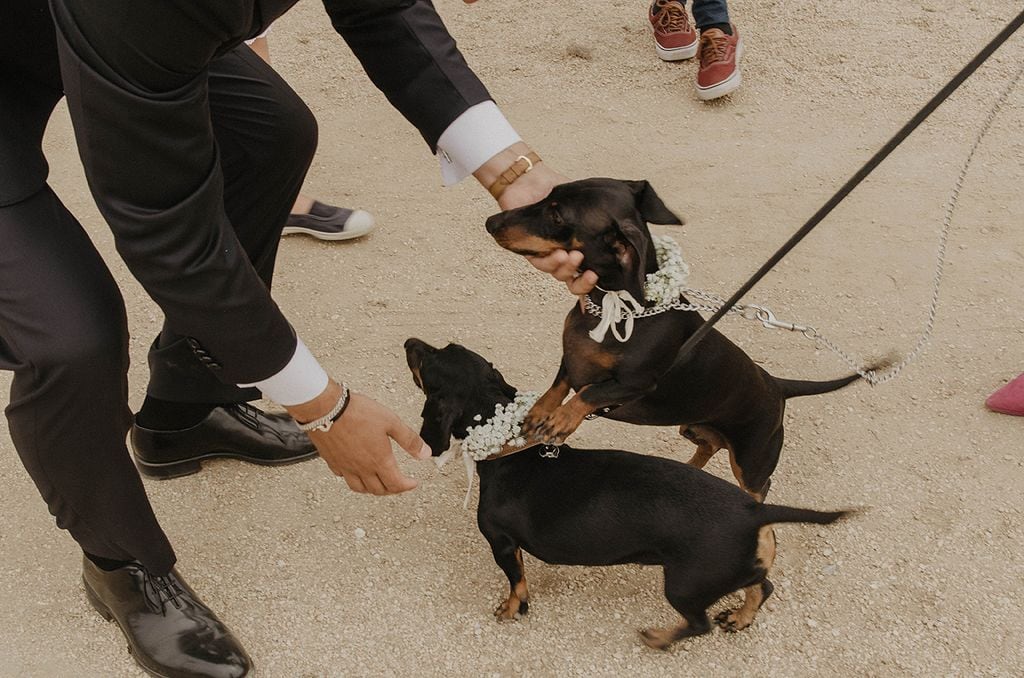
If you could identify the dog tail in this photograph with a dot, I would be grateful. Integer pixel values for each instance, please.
(776, 513)
(794, 388)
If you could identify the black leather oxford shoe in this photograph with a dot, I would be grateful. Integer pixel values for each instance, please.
(170, 632)
(239, 431)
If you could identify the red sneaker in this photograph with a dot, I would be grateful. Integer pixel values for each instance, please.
(1009, 399)
(719, 72)
(674, 36)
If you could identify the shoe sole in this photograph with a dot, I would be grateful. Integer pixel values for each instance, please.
(104, 611)
(676, 53)
(320, 235)
(727, 86)
(357, 232)
(187, 467)
(1004, 410)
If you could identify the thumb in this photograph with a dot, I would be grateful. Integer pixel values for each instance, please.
(408, 440)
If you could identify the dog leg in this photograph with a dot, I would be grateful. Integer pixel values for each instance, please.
(702, 455)
(740, 618)
(685, 595)
(510, 560)
(708, 442)
(753, 464)
(755, 594)
(550, 401)
(564, 421)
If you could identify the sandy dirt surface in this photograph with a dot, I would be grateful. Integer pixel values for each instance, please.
(318, 581)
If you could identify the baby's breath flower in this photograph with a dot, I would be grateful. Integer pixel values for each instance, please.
(504, 427)
(665, 285)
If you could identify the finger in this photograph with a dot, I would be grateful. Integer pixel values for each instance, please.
(397, 483)
(409, 440)
(574, 258)
(355, 484)
(570, 267)
(549, 263)
(392, 478)
(583, 284)
(374, 485)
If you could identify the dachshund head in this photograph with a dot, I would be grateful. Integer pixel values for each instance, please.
(459, 386)
(606, 219)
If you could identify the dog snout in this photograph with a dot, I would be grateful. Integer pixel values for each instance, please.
(495, 223)
(415, 349)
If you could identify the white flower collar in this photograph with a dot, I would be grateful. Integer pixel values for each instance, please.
(491, 437)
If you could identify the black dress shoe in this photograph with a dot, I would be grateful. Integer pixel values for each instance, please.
(240, 431)
(170, 632)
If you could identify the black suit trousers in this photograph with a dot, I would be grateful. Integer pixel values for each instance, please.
(194, 151)
(63, 330)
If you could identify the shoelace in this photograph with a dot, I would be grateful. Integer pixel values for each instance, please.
(714, 48)
(672, 18)
(161, 590)
(249, 414)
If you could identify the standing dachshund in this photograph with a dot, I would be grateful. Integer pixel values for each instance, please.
(718, 397)
(604, 507)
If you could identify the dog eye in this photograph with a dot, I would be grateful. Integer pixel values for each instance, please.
(556, 217)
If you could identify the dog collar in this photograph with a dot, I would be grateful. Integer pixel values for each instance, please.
(664, 287)
(495, 438)
(547, 451)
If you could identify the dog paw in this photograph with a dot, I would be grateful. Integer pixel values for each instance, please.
(656, 639)
(555, 428)
(529, 427)
(730, 621)
(509, 611)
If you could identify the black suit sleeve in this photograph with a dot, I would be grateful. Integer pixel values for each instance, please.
(411, 57)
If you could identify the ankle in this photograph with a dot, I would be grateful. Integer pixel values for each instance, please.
(725, 28)
(165, 415)
(106, 564)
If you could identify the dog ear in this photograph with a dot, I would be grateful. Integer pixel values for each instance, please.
(637, 238)
(650, 206)
(438, 421)
(506, 390)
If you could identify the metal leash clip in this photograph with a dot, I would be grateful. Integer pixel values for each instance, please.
(549, 451)
(767, 318)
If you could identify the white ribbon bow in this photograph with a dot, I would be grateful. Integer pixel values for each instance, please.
(615, 309)
(467, 462)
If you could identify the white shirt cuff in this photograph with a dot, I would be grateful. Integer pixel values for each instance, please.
(301, 380)
(261, 35)
(475, 137)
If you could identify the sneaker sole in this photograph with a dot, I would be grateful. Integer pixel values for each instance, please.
(356, 232)
(727, 86)
(187, 467)
(676, 53)
(320, 235)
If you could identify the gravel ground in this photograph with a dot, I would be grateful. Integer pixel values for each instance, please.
(318, 581)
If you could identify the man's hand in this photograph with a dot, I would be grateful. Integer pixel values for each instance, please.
(565, 266)
(529, 188)
(358, 446)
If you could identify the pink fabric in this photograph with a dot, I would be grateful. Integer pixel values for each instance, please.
(1009, 399)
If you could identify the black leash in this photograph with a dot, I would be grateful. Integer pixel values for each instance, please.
(688, 347)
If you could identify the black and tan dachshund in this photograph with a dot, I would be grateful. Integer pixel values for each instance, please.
(718, 397)
(605, 507)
